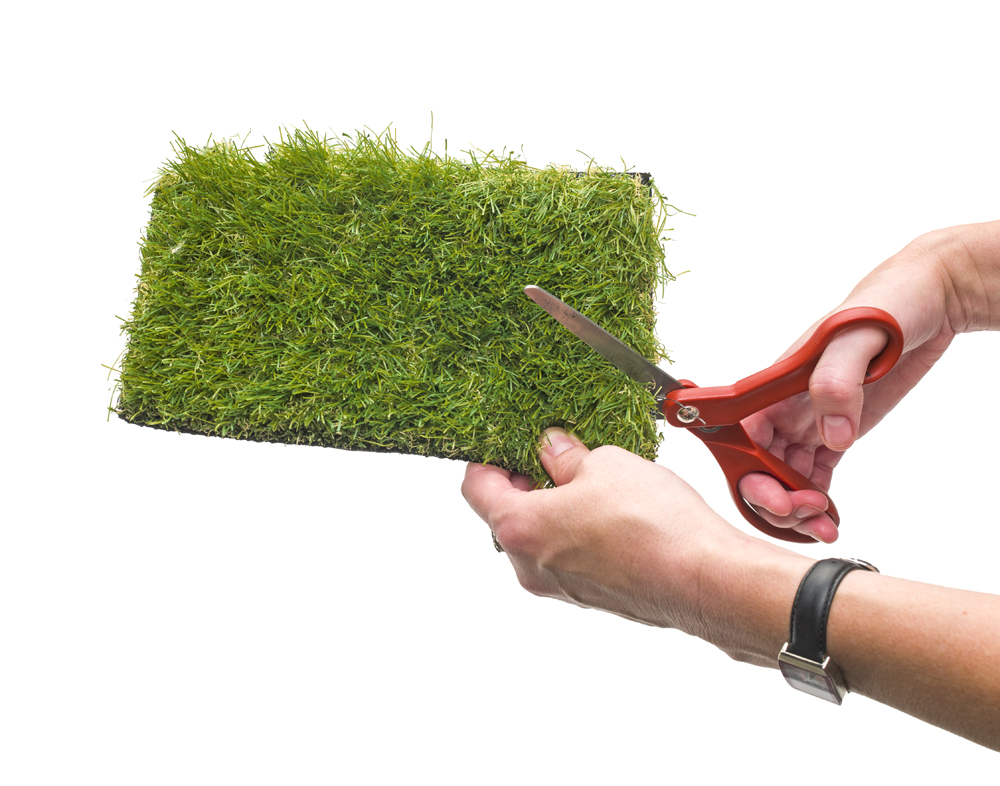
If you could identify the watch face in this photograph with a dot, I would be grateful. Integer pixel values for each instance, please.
(808, 681)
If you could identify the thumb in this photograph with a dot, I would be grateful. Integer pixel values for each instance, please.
(561, 454)
(835, 387)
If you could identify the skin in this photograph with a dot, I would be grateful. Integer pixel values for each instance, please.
(626, 535)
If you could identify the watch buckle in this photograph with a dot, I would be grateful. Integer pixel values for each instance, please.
(824, 680)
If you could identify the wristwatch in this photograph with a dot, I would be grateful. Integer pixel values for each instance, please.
(803, 660)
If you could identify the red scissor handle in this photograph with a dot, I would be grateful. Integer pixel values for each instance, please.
(713, 414)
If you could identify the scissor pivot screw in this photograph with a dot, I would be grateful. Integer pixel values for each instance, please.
(687, 414)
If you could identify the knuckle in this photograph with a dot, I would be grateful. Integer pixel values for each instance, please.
(533, 583)
(465, 490)
(609, 453)
(472, 483)
(828, 385)
(516, 535)
(610, 460)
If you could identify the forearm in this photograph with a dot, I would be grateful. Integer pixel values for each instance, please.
(928, 651)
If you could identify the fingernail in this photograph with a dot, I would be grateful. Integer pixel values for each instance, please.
(806, 511)
(837, 431)
(556, 441)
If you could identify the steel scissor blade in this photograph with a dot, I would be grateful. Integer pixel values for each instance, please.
(606, 345)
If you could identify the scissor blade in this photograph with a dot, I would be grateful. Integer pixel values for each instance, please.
(606, 345)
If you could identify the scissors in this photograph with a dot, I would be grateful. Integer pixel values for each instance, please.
(714, 414)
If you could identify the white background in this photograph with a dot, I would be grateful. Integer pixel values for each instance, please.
(176, 609)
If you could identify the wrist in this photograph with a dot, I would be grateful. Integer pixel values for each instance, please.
(968, 260)
(746, 596)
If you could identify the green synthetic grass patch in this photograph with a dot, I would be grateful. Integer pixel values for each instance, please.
(351, 294)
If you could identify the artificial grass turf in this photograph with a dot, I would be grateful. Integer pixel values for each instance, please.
(351, 294)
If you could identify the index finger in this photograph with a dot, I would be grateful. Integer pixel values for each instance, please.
(835, 385)
(491, 491)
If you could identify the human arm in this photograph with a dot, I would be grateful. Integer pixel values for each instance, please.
(943, 283)
(628, 536)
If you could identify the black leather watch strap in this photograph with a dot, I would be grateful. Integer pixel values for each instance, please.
(811, 608)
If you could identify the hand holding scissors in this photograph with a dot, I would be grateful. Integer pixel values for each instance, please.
(713, 414)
